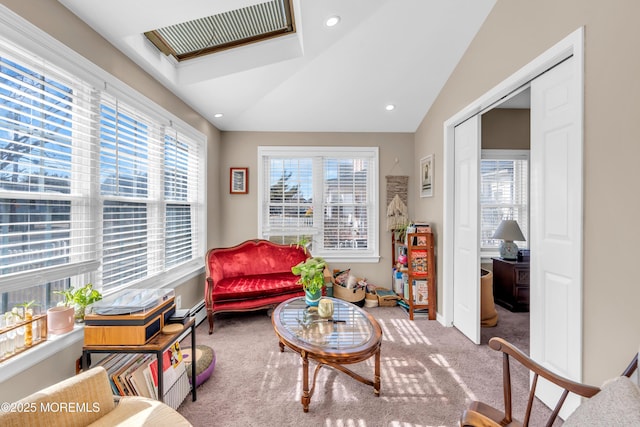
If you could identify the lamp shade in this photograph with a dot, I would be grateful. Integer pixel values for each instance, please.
(509, 230)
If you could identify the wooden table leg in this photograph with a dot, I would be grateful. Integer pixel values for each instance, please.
(281, 344)
(306, 397)
(376, 374)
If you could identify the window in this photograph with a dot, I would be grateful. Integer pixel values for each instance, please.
(231, 28)
(95, 186)
(504, 194)
(326, 195)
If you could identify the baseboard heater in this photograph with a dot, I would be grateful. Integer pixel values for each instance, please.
(198, 311)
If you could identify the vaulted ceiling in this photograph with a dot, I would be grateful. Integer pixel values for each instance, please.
(316, 79)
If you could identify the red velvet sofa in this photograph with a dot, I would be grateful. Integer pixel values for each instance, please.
(253, 275)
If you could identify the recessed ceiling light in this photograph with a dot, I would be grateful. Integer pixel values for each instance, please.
(332, 21)
(390, 107)
(218, 115)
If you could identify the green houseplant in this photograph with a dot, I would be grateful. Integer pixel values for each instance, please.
(79, 299)
(311, 272)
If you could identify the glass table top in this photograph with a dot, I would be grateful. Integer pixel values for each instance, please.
(348, 328)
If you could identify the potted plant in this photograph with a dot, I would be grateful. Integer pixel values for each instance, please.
(79, 299)
(311, 272)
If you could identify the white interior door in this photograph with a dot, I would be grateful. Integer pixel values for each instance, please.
(556, 224)
(466, 259)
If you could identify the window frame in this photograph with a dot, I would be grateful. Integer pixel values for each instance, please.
(487, 253)
(23, 34)
(370, 255)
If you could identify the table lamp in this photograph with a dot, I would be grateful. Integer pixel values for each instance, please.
(508, 231)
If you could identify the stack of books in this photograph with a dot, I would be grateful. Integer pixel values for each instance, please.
(137, 375)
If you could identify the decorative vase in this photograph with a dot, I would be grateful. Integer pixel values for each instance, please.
(312, 298)
(79, 313)
(60, 320)
(325, 308)
(28, 329)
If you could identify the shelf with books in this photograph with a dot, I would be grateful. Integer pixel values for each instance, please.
(133, 369)
(415, 283)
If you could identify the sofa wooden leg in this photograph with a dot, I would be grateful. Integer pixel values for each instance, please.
(210, 317)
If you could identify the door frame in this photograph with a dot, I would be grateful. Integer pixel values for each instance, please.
(572, 45)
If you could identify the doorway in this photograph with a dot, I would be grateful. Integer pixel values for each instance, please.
(555, 309)
(505, 194)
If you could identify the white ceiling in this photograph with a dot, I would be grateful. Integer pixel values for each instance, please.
(320, 79)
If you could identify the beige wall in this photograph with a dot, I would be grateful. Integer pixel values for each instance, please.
(506, 129)
(56, 20)
(515, 33)
(240, 212)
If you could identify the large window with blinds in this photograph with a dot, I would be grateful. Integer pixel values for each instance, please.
(95, 186)
(327, 196)
(504, 194)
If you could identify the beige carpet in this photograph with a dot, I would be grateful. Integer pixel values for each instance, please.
(429, 375)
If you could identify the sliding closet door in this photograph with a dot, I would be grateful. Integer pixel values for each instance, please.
(466, 260)
(556, 223)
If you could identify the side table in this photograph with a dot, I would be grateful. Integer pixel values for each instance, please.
(511, 284)
(157, 345)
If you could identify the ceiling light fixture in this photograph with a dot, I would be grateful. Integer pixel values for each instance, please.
(218, 115)
(390, 107)
(332, 21)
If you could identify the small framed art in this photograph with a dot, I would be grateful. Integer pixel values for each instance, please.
(238, 180)
(426, 176)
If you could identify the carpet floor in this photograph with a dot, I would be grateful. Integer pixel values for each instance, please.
(429, 374)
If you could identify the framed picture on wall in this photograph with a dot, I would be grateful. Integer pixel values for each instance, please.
(238, 183)
(426, 176)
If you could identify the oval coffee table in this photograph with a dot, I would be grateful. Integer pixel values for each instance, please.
(351, 336)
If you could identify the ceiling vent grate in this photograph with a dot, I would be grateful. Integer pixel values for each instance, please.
(229, 29)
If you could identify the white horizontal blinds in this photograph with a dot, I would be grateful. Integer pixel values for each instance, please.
(129, 165)
(125, 140)
(45, 123)
(324, 194)
(82, 183)
(504, 194)
(347, 205)
(288, 210)
(181, 191)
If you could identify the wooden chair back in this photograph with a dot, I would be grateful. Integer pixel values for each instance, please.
(480, 414)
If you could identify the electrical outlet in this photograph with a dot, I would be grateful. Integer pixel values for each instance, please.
(178, 302)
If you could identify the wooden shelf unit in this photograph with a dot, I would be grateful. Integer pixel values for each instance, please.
(157, 345)
(420, 284)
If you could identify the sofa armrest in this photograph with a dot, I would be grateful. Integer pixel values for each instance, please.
(208, 293)
(617, 404)
(76, 401)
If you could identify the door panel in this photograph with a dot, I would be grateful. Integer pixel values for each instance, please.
(556, 225)
(466, 262)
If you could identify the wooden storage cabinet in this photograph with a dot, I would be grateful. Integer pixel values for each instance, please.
(418, 281)
(511, 284)
(157, 345)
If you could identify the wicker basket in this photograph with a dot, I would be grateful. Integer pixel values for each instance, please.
(387, 299)
(387, 302)
(371, 295)
(356, 295)
(370, 298)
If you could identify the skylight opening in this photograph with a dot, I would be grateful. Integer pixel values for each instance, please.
(204, 36)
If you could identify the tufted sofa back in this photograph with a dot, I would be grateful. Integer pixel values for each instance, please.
(253, 257)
